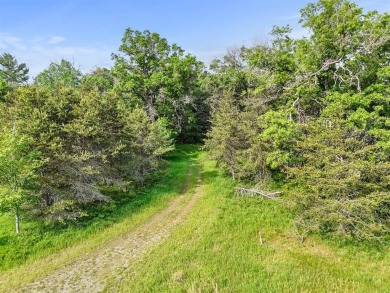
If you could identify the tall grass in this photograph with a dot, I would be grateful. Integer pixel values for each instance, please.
(218, 249)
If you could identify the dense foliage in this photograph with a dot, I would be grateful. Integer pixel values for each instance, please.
(164, 81)
(309, 115)
(70, 140)
(312, 114)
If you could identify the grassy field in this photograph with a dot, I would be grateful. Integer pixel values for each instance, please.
(216, 247)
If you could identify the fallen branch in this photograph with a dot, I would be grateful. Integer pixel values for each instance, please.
(240, 191)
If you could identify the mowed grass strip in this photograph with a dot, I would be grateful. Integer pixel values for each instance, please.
(218, 249)
(23, 263)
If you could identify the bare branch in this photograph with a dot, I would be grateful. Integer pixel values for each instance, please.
(240, 191)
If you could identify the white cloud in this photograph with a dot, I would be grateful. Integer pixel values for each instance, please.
(7, 42)
(56, 40)
(38, 52)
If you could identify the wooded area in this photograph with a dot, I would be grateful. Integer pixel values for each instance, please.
(312, 115)
(308, 115)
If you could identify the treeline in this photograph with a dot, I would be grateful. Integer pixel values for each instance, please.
(68, 138)
(312, 115)
(308, 115)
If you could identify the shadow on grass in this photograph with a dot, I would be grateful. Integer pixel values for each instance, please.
(208, 177)
(184, 152)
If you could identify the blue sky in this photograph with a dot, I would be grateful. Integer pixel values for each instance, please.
(86, 32)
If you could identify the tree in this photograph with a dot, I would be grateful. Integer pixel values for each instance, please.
(158, 77)
(4, 88)
(62, 133)
(312, 113)
(225, 140)
(88, 139)
(344, 182)
(182, 98)
(100, 78)
(140, 69)
(12, 72)
(147, 142)
(229, 75)
(59, 75)
(348, 46)
(18, 165)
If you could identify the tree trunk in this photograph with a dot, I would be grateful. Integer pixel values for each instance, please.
(150, 106)
(233, 175)
(17, 226)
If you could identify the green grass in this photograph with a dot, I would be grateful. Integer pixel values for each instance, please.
(217, 249)
(38, 240)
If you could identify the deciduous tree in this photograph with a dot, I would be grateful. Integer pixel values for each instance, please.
(18, 165)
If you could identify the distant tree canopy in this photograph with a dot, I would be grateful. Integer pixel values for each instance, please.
(100, 79)
(163, 80)
(58, 75)
(312, 114)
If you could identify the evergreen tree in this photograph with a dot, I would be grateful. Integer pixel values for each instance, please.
(10, 71)
(224, 139)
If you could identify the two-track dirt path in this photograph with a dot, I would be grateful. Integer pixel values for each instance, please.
(90, 273)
